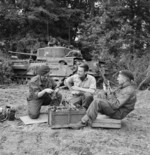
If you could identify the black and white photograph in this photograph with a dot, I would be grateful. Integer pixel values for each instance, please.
(74, 77)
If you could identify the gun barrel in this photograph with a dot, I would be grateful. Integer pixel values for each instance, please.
(22, 53)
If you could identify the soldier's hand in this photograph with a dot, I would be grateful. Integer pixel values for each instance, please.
(104, 87)
(75, 92)
(48, 90)
(56, 90)
(75, 88)
(73, 107)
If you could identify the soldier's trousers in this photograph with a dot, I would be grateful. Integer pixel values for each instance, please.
(34, 106)
(83, 100)
(104, 107)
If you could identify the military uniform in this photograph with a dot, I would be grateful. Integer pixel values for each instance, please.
(35, 103)
(116, 105)
(84, 99)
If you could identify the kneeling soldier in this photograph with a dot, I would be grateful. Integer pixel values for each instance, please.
(41, 89)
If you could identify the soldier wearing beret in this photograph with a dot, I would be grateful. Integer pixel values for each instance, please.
(41, 89)
(116, 104)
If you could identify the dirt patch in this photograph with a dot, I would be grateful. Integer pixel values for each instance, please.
(39, 139)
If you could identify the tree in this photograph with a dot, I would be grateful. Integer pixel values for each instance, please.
(39, 19)
(120, 26)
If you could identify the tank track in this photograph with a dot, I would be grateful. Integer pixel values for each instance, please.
(24, 79)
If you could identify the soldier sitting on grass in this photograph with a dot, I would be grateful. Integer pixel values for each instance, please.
(116, 104)
(41, 90)
(82, 86)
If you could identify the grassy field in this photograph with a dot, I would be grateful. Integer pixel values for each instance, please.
(39, 139)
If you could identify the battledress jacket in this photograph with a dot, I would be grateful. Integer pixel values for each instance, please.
(36, 85)
(123, 100)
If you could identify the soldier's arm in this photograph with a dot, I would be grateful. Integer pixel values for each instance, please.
(47, 90)
(91, 89)
(120, 100)
(69, 82)
(35, 90)
(84, 90)
(41, 93)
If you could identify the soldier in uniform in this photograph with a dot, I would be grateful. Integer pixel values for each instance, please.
(115, 104)
(82, 86)
(41, 92)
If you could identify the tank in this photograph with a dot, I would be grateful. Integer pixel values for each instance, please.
(62, 64)
(62, 61)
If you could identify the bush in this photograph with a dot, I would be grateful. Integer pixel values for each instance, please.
(6, 72)
(138, 65)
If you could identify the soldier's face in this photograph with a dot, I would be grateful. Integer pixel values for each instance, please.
(121, 79)
(45, 76)
(81, 72)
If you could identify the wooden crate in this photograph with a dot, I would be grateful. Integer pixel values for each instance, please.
(103, 121)
(64, 117)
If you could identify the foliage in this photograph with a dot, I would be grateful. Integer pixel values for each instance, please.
(120, 27)
(38, 18)
(119, 33)
(138, 65)
(113, 30)
(6, 72)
